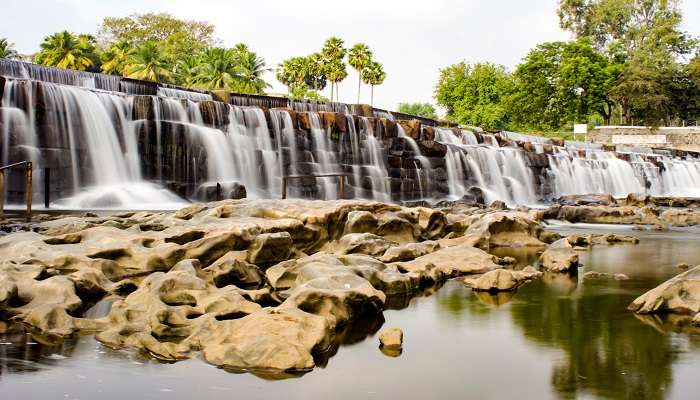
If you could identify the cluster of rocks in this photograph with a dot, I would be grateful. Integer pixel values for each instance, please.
(636, 209)
(252, 285)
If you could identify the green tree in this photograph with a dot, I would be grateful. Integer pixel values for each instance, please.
(250, 71)
(186, 70)
(7, 49)
(147, 62)
(333, 53)
(359, 58)
(475, 94)
(175, 36)
(315, 72)
(116, 58)
(291, 73)
(66, 50)
(373, 75)
(217, 69)
(425, 110)
(336, 72)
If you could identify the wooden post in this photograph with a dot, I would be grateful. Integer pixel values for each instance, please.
(47, 187)
(29, 191)
(218, 192)
(284, 187)
(2, 194)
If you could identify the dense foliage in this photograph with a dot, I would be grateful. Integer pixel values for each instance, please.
(306, 76)
(156, 47)
(629, 63)
(425, 110)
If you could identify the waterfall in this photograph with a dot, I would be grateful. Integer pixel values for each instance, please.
(326, 161)
(422, 160)
(375, 164)
(596, 172)
(501, 173)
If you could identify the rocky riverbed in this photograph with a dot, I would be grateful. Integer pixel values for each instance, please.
(271, 285)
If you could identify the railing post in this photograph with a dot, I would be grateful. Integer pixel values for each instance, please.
(2, 194)
(284, 187)
(218, 192)
(29, 191)
(47, 187)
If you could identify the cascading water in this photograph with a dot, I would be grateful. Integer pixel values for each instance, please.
(421, 160)
(501, 173)
(325, 161)
(87, 133)
(375, 163)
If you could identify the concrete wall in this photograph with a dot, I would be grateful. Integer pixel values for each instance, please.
(665, 137)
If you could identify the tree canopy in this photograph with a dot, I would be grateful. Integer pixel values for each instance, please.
(425, 110)
(7, 49)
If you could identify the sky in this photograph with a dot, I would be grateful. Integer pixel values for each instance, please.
(413, 39)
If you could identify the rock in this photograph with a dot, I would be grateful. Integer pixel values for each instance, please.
(680, 295)
(409, 251)
(503, 229)
(391, 338)
(232, 269)
(587, 200)
(451, 261)
(559, 257)
(361, 222)
(683, 266)
(602, 275)
(620, 277)
(549, 237)
(363, 243)
(589, 240)
(270, 248)
(498, 205)
(638, 227)
(502, 279)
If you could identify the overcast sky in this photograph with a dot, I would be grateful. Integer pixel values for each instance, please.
(413, 39)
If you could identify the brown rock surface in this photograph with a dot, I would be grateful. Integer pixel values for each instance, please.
(560, 257)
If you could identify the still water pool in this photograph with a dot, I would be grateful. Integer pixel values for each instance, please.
(557, 337)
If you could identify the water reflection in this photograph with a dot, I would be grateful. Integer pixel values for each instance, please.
(556, 337)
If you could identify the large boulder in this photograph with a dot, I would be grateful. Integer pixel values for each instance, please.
(679, 295)
(451, 261)
(363, 243)
(560, 257)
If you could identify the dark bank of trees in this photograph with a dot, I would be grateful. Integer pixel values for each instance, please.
(629, 63)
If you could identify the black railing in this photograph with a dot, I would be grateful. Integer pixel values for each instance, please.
(28, 192)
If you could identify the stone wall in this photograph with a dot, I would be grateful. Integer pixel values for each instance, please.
(677, 138)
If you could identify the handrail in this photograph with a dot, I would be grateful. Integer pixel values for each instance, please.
(28, 192)
(341, 181)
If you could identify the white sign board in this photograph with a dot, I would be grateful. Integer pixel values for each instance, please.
(580, 129)
(639, 139)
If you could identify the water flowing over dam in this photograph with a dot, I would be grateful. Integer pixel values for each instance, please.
(112, 142)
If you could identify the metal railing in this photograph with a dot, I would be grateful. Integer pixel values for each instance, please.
(341, 182)
(28, 192)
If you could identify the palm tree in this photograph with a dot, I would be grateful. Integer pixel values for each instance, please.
(291, 72)
(65, 50)
(147, 62)
(333, 53)
(250, 70)
(360, 56)
(373, 75)
(186, 70)
(217, 69)
(315, 72)
(336, 72)
(116, 58)
(7, 49)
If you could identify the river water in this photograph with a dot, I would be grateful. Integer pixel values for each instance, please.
(557, 337)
